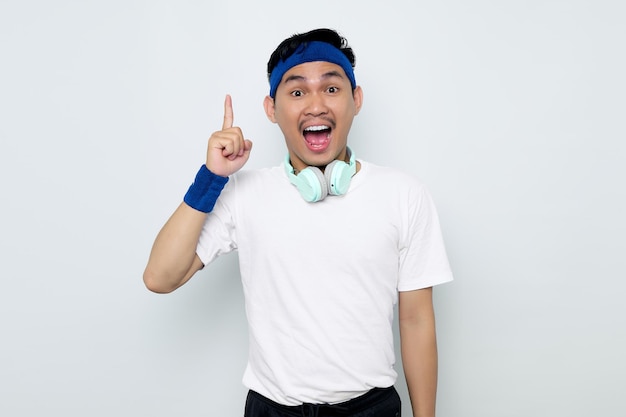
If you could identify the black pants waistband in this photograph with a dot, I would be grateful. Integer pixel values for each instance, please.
(347, 408)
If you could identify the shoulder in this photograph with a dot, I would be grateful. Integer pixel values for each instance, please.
(398, 190)
(392, 179)
(250, 186)
(247, 178)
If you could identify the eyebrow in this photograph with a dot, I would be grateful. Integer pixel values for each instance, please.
(329, 74)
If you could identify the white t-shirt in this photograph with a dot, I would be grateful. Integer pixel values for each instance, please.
(321, 279)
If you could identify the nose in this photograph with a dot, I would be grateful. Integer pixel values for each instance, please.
(316, 105)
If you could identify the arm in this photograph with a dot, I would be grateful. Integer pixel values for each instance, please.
(173, 260)
(419, 349)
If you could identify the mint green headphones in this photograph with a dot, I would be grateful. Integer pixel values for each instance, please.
(314, 185)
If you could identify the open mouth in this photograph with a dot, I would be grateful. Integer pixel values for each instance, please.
(317, 137)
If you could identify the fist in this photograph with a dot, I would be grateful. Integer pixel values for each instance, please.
(227, 150)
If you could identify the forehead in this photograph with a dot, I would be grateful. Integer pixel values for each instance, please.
(314, 71)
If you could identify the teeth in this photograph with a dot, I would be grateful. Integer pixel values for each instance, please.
(315, 128)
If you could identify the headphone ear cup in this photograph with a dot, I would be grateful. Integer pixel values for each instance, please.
(338, 176)
(312, 184)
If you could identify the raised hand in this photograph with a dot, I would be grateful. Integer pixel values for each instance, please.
(227, 150)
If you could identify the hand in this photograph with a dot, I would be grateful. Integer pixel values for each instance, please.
(227, 150)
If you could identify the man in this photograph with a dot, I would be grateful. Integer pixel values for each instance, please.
(327, 245)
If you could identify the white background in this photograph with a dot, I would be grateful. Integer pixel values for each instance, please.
(512, 112)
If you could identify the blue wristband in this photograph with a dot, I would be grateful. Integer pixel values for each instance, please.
(205, 190)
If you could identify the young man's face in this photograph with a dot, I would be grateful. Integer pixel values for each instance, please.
(314, 106)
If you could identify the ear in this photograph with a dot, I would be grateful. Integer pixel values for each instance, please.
(357, 95)
(270, 108)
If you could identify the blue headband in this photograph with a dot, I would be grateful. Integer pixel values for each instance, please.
(311, 52)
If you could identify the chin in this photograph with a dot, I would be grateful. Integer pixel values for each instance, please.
(324, 158)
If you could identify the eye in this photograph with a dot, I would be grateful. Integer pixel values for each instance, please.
(333, 90)
(296, 93)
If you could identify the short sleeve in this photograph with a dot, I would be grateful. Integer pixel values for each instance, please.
(218, 236)
(423, 260)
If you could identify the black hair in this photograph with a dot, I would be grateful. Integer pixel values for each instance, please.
(290, 45)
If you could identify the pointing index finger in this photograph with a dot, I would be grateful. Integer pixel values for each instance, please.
(228, 113)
